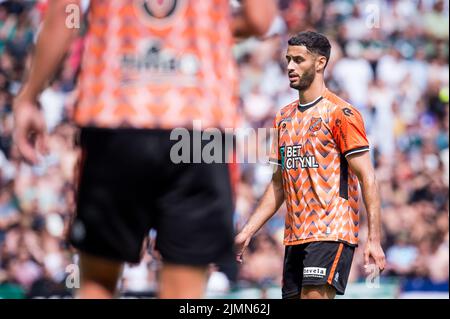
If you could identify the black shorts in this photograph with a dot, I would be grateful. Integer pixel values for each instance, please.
(128, 185)
(316, 263)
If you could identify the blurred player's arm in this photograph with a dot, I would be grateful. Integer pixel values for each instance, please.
(254, 18)
(361, 165)
(271, 201)
(53, 42)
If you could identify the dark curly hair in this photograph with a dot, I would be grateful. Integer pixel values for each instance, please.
(315, 42)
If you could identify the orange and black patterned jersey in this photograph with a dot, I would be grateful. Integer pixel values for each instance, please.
(158, 64)
(321, 191)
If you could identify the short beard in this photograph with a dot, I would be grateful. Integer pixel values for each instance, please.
(305, 81)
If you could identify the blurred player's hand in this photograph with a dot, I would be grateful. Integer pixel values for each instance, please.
(241, 242)
(30, 131)
(374, 252)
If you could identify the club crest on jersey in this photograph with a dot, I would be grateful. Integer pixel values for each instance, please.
(316, 124)
(158, 13)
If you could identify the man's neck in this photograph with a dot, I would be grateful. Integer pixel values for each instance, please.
(312, 93)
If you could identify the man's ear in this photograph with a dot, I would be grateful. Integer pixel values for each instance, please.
(321, 63)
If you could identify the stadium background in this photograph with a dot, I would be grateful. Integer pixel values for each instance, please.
(395, 73)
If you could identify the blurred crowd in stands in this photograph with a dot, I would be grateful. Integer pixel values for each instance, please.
(389, 59)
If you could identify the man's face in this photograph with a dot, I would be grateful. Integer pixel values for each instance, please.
(301, 66)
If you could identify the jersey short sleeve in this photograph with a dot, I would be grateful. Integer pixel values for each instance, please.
(348, 131)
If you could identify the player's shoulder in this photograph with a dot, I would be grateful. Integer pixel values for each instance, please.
(286, 111)
(338, 105)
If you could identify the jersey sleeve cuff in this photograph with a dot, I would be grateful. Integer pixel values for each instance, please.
(356, 150)
(275, 161)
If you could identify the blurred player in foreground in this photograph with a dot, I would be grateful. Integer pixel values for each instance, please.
(322, 152)
(148, 67)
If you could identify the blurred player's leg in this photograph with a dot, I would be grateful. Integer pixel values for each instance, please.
(318, 292)
(179, 281)
(98, 277)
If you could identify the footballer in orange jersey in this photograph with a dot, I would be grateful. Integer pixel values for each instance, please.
(322, 151)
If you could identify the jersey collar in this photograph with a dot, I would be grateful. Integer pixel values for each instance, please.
(304, 107)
